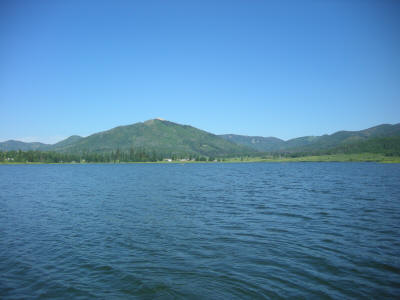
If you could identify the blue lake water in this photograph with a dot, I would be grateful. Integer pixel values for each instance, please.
(200, 231)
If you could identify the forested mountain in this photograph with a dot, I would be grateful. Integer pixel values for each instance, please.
(259, 143)
(17, 145)
(343, 138)
(155, 135)
(73, 139)
(389, 146)
(315, 143)
(166, 138)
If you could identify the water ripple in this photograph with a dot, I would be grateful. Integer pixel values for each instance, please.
(218, 231)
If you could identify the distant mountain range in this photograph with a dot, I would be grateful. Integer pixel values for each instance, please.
(17, 145)
(155, 135)
(315, 143)
(167, 138)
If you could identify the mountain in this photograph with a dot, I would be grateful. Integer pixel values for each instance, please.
(342, 138)
(11, 145)
(167, 138)
(389, 146)
(156, 135)
(258, 143)
(73, 139)
(315, 143)
(17, 145)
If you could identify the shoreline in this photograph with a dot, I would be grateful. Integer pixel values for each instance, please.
(375, 158)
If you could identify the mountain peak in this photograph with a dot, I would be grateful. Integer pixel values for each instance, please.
(159, 136)
(151, 121)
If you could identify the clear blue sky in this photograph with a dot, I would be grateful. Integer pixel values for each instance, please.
(269, 68)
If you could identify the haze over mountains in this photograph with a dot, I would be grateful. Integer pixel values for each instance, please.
(163, 136)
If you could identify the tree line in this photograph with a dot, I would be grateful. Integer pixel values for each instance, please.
(388, 146)
(133, 155)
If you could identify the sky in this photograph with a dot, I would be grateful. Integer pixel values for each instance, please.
(266, 68)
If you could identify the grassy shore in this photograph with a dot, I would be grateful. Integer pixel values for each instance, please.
(362, 157)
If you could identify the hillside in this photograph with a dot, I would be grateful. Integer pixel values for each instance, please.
(315, 143)
(167, 138)
(343, 138)
(389, 146)
(17, 145)
(258, 143)
(66, 143)
(155, 135)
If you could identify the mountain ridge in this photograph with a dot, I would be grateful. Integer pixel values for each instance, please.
(156, 135)
(163, 136)
(11, 145)
(326, 141)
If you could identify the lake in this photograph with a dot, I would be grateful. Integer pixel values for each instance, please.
(200, 231)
